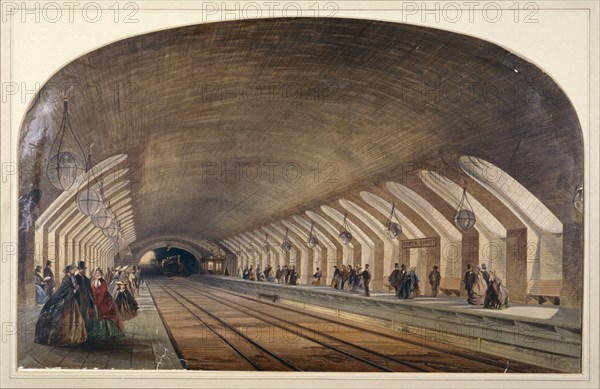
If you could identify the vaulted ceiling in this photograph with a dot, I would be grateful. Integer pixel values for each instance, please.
(307, 110)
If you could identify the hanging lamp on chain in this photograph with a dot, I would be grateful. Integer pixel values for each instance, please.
(345, 235)
(265, 246)
(65, 164)
(393, 228)
(286, 244)
(464, 218)
(89, 201)
(102, 218)
(312, 241)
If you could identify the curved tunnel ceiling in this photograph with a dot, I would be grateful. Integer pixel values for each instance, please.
(359, 99)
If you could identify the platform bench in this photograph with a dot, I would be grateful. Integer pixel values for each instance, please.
(545, 290)
(450, 285)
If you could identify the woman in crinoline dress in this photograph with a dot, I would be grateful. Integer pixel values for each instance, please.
(60, 322)
(126, 304)
(112, 286)
(477, 295)
(41, 297)
(497, 294)
(105, 322)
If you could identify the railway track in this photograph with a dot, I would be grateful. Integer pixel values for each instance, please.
(320, 342)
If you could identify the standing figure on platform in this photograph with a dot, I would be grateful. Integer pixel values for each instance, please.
(414, 283)
(479, 289)
(246, 273)
(434, 280)
(405, 284)
(316, 278)
(251, 274)
(60, 322)
(278, 274)
(497, 294)
(286, 274)
(393, 279)
(84, 295)
(269, 274)
(469, 281)
(40, 292)
(51, 283)
(340, 277)
(126, 304)
(334, 278)
(366, 277)
(139, 276)
(349, 283)
(105, 322)
(259, 274)
(344, 278)
(132, 282)
(359, 282)
(109, 275)
(293, 276)
(486, 275)
(112, 285)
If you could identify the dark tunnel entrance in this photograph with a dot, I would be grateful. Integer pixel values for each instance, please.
(171, 262)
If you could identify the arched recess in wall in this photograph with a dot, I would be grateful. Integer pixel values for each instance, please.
(544, 253)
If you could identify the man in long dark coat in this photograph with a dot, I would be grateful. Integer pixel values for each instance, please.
(50, 284)
(366, 276)
(469, 281)
(434, 280)
(393, 278)
(84, 295)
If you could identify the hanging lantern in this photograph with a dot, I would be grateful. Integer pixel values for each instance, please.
(578, 200)
(110, 231)
(102, 218)
(287, 244)
(64, 167)
(464, 218)
(345, 235)
(265, 246)
(312, 241)
(89, 201)
(393, 229)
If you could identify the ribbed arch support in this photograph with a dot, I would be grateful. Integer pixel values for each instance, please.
(385, 208)
(492, 234)
(450, 237)
(544, 251)
(366, 243)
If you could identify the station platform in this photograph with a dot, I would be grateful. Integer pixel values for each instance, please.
(145, 346)
(543, 335)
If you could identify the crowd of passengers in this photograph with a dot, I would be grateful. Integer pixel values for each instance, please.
(483, 288)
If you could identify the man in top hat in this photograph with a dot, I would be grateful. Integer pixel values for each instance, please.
(49, 285)
(469, 281)
(84, 295)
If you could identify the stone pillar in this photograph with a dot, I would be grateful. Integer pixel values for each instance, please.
(516, 264)
(25, 265)
(469, 254)
(432, 254)
(571, 294)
